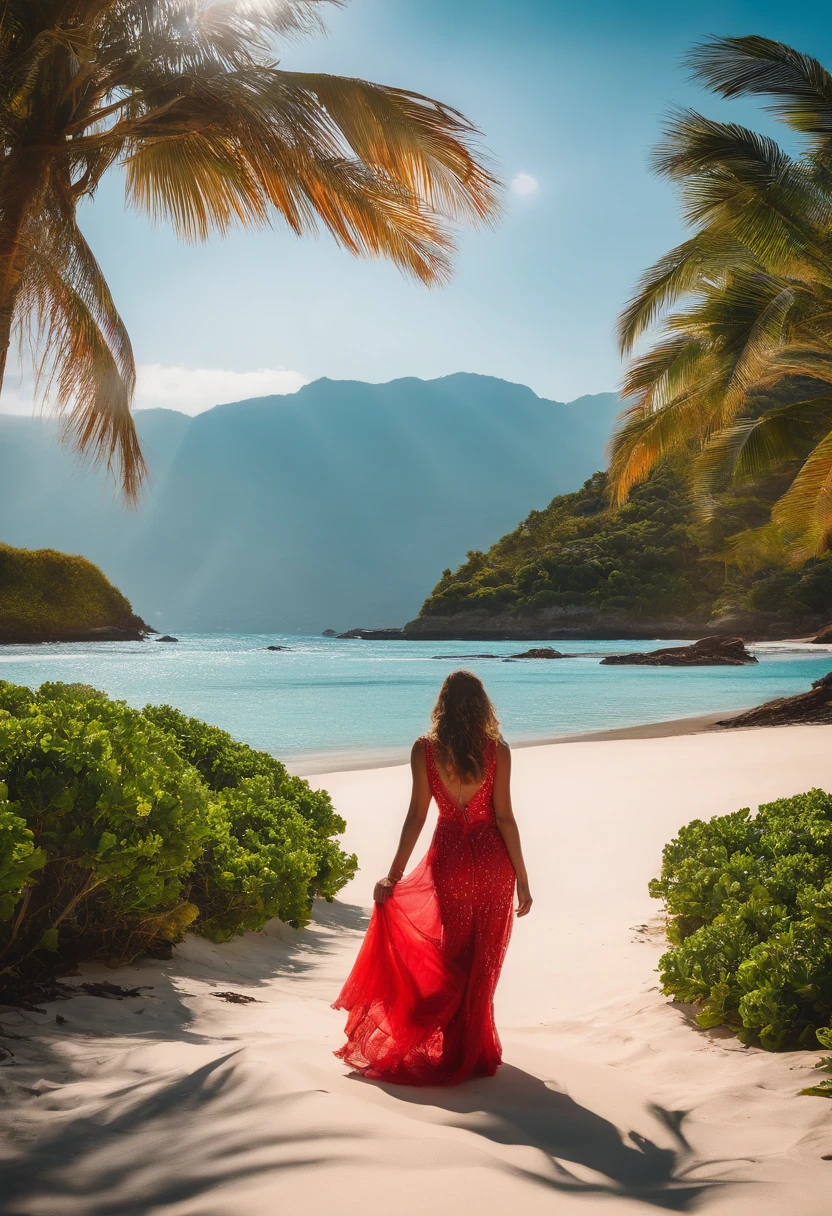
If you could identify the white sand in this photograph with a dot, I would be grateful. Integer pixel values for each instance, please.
(610, 1101)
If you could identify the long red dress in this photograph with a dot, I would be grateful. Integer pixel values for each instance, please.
(421, 993)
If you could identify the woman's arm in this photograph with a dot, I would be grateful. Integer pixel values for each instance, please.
(507, 826)
(414, 822)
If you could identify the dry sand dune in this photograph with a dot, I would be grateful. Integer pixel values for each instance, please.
(609, 1101)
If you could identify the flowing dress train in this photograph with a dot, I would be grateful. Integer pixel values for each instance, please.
(420, 996)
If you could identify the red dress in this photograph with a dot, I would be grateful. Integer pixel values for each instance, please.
(421, 993)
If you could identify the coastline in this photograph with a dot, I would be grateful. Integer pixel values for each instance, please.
(348, 762)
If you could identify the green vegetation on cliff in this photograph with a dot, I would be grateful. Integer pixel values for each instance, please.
(120, 828)
(649, 559)
(46, 596)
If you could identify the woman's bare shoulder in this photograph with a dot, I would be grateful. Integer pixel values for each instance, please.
(417, 751)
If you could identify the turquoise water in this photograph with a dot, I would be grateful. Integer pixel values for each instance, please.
(326, 702)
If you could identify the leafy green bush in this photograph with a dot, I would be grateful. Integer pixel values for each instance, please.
(119, 828)
(265, 810)
(750, 905)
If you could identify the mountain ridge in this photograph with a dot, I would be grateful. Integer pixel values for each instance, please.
(298, 512)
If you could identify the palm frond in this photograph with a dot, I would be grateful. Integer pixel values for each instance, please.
(752, 447)
(744, 185)
(755, 549)
(188, 97)
(735, 67)
(704, 258)
(803, 516)
(84, 357)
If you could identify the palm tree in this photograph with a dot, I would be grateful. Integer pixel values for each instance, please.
(740, 378)
(185, 96)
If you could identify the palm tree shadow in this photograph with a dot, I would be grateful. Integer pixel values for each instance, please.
(515, 1107)
(157, 1144)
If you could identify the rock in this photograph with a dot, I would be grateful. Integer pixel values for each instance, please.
(538, 652)
(115, 633)
(166, 637)
(812, 706)
(466, 656)
(824, 638)
(374, 635)
(278, 648)
(709, 652)
(329, 633)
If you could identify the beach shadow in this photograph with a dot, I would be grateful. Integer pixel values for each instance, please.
(159, 1140)
(252, 961)
(157, 1144)
(515, 1107)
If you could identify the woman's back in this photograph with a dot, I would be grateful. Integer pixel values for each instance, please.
(473, 801)
(420, 996)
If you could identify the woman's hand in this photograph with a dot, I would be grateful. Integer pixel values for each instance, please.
(384, 888)
(524, 899)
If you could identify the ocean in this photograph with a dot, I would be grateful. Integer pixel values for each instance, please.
(326, 703)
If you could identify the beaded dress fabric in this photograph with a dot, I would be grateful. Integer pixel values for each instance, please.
(420, 996)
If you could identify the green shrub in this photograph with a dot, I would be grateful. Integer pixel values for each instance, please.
(749, 899)
(120, 828)
(224, 764)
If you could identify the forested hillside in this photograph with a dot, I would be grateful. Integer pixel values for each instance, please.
(578, 565)
(56, 597)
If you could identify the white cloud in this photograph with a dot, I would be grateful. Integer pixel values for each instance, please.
(187, 389)
(194, 389)
(524, 184)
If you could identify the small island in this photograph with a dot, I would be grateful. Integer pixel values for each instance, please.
(47, 596)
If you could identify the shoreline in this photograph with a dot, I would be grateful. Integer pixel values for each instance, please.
(322, 762)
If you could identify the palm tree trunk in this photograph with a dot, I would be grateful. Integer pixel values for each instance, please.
(21, 189)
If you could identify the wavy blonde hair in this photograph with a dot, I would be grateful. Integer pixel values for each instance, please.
(464, 721)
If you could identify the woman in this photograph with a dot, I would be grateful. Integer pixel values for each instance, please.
(421, 994)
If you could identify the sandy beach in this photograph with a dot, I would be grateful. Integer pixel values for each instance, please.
(609, 1100)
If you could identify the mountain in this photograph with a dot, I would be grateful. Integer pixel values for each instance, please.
(650, 568)
(51, 597)
(332, 507)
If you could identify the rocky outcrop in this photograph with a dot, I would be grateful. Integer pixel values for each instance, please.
(277, 648)
(167, 637)
(466, 656)
(329, 633)
(538, 652)
(812, 706)
(99, 633)
(579, 624)
(824, 638)
(374, 635)
(709, 652)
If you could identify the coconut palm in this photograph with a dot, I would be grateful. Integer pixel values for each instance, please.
(186, 97)
(740, 378)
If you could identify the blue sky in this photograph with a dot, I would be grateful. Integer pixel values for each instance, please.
(570, 94)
